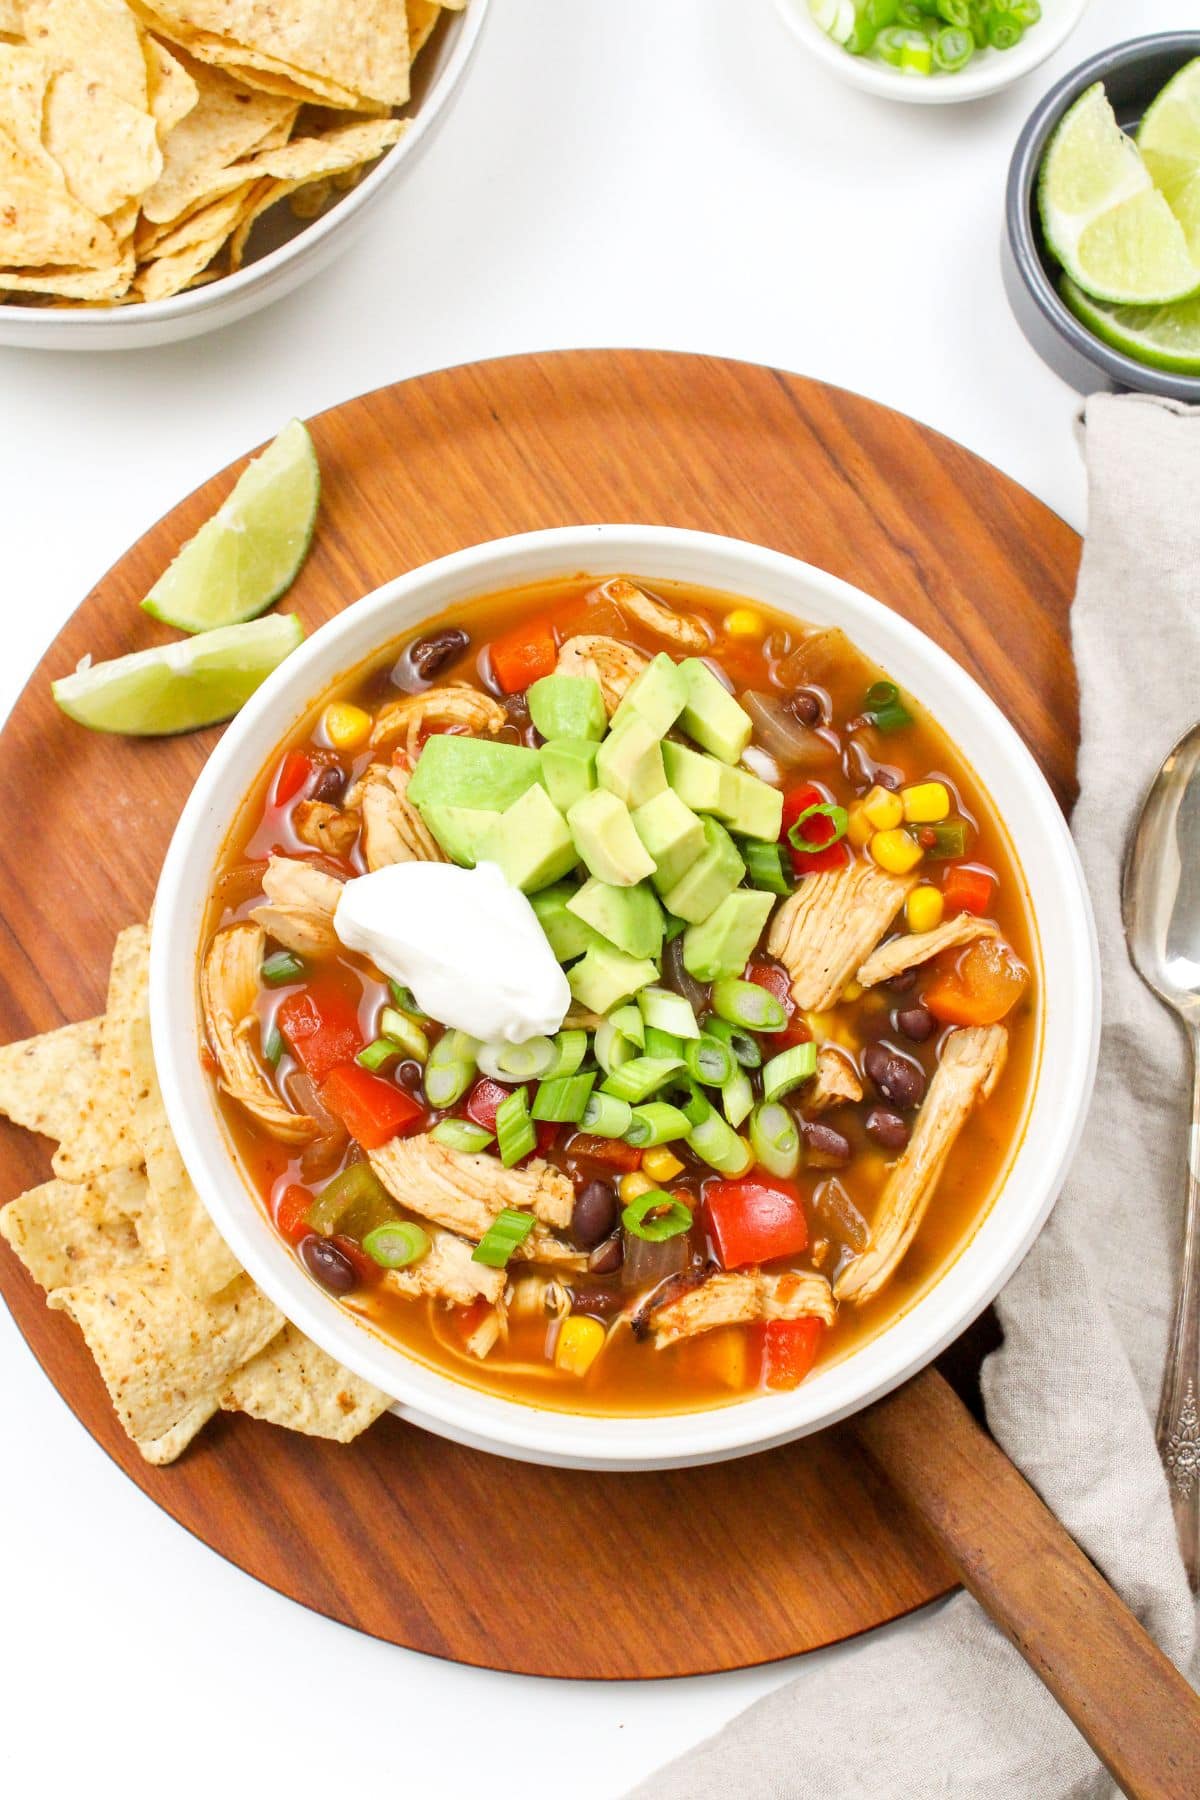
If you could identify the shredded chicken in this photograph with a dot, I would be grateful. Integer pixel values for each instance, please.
(611, 665)
(302, 901)
(324, 827)
(915, 947)
(835, 1083)
(228, 991)
(490, 1329)
(680, 628)
(447, 1272)
(824, 932)
(971, 1065)
(464, 1192)
(393, 829)
(697, 1301)
(456, 704)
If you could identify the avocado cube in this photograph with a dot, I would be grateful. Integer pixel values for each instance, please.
(698, 780)
(568, 935)
(568, 770)
(629, 763)
(751, 807)
(672, 834)
(531, 842)
(462, 831)
(711, 715)
(606, 840)
(629, 917)
(657, 695)
(568, 706)
(606, 976)
(713, 875)
(472, 772)
(724, 942)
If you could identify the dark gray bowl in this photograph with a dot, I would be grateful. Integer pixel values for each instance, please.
(1133, 74)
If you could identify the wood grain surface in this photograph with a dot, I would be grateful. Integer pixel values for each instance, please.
(402, 1534)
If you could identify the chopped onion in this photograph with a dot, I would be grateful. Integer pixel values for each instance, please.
(780, 733)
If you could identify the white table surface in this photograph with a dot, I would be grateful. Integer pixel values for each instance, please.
(676, 175)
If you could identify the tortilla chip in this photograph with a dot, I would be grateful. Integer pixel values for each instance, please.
(102, 1136)
(228, 121)
(362, 49)
(40, 223)
(45, 1081)
(10, 19)
(173, 93)
(100, 38)
(209, 225)
(107, 150)
(166, 1358)
(83, 285)
(295, 1384)
(423, 16)
(66, 1232)
(24, 78)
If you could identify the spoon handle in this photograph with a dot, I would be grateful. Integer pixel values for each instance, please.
(1178, 1427)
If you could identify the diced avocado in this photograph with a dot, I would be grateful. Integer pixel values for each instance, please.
(606, 976)
(629, 917)
(531, 842)
(605, 839)
(711, 715)
(672, 834)
(698, 780)
(567, 934)
(460, 830)
(714, 874)
(568, 706)
(724, 942)
(751, 807)
(474, 772)
(657, 695)
(629, 762)
(568, 770)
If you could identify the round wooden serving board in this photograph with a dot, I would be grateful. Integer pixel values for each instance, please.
(404, 1535)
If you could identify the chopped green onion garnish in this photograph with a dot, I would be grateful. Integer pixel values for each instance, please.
(518, 1062)
(404, 1031)
(953, 49)
(462, 1134)
(450, 1069)
(775, 1139)
(838, 817)
(629, 1022)
(281, 967)
(788, 1070)
(663, 1043)
(745, 1003)
(635, 1081)
(570, 1047)
(884, 705)
(766, 867)
(719, 1145)
(665, 1010)
(952, 12)
(379, 1053)
(396, 1245)
(506, 1233)
(272, 1046)
(916, 55)
(405, 999)
(606, 1116)
(1025, 12)
(737, 1097)
(563, 1100)
(657, 1123)
(515, 1136)
(709, 1061)
(745, 1048)
(1004, 30)
(941, 842)
(656, 1216)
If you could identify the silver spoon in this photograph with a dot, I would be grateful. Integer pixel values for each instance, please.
(1160, 904)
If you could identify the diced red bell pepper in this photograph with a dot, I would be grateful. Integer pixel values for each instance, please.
(817, 830)
(320, 1024)
(789, 1350)
(291, 1212)
(547, 1136)
(613, 1151)
(294, 771)
(372, 1109)
(967, 889)
(775, 978)
(483, 1100)
(365, 1267)
(523, 656)
(754, 1221)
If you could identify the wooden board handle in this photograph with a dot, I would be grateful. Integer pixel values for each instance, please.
(1130, 1702)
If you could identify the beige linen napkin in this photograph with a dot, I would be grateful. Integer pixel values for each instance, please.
(946, 1707)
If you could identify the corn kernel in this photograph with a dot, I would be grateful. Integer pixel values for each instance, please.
(744, 622)
(347, 727)
(580, 1341)
(852, 991)
(924, 908)
(633, 1186)
(927, 803)
(884, 809)
(859, 828)
(660, 1165)
(895, 851)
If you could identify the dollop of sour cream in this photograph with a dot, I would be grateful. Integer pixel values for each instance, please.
(467, 944)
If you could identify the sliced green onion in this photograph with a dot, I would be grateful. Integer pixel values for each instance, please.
(563, 1099)
(953, 49)
(766, 867)
(884, 706)
(462, 1134)
(709, 1061)
(664, 1010)
(656, 1217)
(788, 1070)
(379, 1053)
(518, 1062)
(775, 1139)
(745, 1003)
(737, 1097)
(629, 1022)
(953, 12)
(450, 1069)
(663, 1043)
(746, 1049)
(941, 842)
(404, 1031)
(272, 1046)
(612, 1047)
(694, 1105)
(1004, 30)
(570, 1049)
(838, 817)
(719, 1145)
(1025, 12)
(606, 1116)
(916, 56)
(395, 1245)
(881, 13)
(657, 1123)
(911, 15)
(635, 1081)
(515, 1136)
(281, 967)
(406, 1000)
(890, 44)
(506, 1233)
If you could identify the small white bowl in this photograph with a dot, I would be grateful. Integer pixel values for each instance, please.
(284, 250)
(987, 72)
(1068, 984)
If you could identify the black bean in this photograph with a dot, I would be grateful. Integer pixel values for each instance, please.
(887, 1128)
(329, 785)
(409, 1074)
(607, 1258)
(806, 707)
(898, 1079)
(600, 1302)
(594, 1216)
(517, 708)
(917, 1023)
(824, 1147)
(331, 1267)
(904, 982)
(429, 655)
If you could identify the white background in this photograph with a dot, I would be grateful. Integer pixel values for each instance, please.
(671, 173)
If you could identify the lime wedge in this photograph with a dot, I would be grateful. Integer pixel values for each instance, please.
(1164, 337)
(178, 687)
(1169, 140)
(250, 551)
(1104, 219)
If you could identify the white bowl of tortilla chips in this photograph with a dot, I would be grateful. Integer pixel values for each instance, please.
(169, 166)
